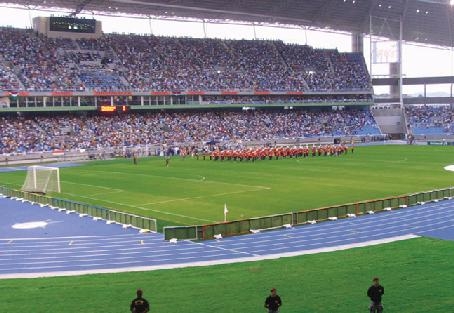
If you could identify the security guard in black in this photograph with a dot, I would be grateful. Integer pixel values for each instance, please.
(139, 304)
(273, 302)
(375, 292)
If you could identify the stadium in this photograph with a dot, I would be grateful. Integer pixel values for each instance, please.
(207, 152)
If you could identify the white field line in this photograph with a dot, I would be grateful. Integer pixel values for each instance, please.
(93, 186)
(140, 207)
(105, 193)
(203, 197)
(188, 179)
(210, 263)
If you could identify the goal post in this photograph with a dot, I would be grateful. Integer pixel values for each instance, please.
(42, 179)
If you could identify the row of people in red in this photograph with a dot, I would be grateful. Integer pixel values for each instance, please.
(278, 152)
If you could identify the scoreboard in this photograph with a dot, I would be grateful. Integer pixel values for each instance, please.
(108, 109)
(72, 24)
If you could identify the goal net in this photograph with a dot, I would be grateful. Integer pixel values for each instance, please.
(42, 179)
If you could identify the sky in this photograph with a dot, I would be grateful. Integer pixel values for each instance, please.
(417, 60)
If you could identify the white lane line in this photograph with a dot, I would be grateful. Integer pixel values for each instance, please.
(201, 263)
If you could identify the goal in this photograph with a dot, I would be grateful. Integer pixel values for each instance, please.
(42, 179)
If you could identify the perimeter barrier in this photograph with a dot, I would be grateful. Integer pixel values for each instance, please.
(100, 212)
(237, 227)
(252, 225)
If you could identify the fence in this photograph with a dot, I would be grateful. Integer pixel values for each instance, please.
(84, 208)
(231, 228)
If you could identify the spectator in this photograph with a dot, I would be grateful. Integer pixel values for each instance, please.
(133, 62)
(41, 133)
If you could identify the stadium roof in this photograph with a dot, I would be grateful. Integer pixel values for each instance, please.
(424, 21)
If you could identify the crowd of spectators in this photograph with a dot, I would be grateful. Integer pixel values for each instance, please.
(285, 99)
(38, 133)
(430, 119)
(175, 64)
(37, 60)
(8, 80)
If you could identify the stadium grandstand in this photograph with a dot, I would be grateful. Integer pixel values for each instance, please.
(91, 69)
(176, 126)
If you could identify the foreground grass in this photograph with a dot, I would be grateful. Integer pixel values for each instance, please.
(194, 192)
(417, 275)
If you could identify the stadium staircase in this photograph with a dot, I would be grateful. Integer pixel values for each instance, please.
(290, 69)
(390, 120)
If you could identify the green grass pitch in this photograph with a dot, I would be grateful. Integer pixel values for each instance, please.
(417, 273)
(193, 191)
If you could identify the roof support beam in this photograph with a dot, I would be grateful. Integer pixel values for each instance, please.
(80, 7)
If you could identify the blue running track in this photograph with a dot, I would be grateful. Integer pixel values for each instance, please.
(63, 243)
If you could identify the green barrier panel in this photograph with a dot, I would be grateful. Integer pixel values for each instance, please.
(378, 205)
(419, 197)
(369, 206)
(434, 195)
(342, 211)
(322, 214)
(277, 221)
(439, 194)
(312, 215)
(244, 226)
(403, 200)
(232, 228)
(302, 217)
(180, 232)
(208, 231)
(361, 207)
(333, 211)
(294, 218)
(219, 229)
(351, 208)
(412, 199)
(287, 219)
(427, 196)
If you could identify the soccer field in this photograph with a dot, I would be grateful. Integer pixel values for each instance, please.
(193, 191)
(416, 273)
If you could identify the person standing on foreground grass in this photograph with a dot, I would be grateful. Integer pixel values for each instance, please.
(273, 302)
(375, 292)
(139, 304)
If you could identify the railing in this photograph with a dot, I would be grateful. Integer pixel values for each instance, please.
(140, 222)
(238, 227)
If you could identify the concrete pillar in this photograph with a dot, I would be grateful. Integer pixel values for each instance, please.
(357, 42)
(394, 71)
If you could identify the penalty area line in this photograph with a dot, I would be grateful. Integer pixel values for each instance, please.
(188, 179)
(140, 207)
(202, 197)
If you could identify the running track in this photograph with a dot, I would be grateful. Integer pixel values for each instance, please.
(68, 244)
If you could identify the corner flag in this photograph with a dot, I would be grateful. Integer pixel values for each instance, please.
(225, 212)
